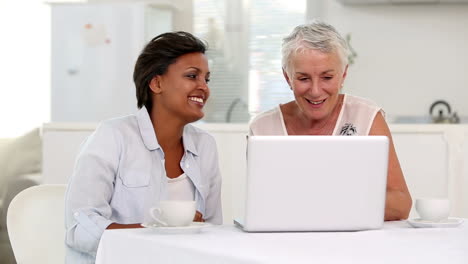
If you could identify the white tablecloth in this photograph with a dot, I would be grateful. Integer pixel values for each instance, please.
(397, 242)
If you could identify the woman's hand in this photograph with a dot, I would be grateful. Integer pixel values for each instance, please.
(198, 217)
(123, 226)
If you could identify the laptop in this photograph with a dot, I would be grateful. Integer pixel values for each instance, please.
(315, 183)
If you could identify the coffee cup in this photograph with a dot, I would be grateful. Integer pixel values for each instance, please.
(433, 209)
(174, 213)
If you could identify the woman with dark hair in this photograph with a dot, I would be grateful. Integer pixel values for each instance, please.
(130, 163)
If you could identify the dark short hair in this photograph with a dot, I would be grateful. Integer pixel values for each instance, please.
(158, 54)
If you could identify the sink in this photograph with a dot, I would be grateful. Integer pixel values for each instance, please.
(421, 120)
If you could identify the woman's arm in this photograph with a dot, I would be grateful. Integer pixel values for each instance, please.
(90, 188)
(213, 213)
(398, 202)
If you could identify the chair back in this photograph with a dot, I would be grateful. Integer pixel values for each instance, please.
(36, 225)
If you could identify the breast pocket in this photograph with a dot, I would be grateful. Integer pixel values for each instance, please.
(135, 178)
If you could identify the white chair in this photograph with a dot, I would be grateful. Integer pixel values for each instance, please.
(36, 225)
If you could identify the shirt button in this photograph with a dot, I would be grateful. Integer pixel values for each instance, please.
(187, 166)
(76, 214)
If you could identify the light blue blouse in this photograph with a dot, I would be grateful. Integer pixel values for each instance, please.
(119, 174)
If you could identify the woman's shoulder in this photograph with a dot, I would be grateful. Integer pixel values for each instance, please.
(357, 116)
(266, 116)
(119, 124)
(116, 129)
(357, 101)
(267, 123)
(108, 139)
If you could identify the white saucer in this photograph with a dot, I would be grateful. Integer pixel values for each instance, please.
(450, 222)
(194, 227)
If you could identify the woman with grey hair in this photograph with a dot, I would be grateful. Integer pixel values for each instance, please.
(315, 64)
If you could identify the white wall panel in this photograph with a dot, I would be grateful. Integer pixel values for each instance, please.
(94, 50)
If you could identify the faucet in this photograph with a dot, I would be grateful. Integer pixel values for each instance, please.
(231, 108)
(441, 117)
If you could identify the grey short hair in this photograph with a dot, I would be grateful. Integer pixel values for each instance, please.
(316, 35)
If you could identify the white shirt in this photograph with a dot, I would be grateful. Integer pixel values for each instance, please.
(120, 174)
(355, 119)
(180, 188)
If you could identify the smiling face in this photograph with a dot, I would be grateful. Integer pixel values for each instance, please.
(183, 90)
(316, 78)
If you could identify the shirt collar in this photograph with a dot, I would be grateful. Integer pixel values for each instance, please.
(146, 129)
(187, 136)
(149, 136)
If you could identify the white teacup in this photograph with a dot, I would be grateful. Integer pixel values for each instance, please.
(174, 213)
(433, 209)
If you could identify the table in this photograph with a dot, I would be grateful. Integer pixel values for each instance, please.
(397, 242)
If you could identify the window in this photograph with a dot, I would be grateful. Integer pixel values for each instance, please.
(24, 66)
(245, 54)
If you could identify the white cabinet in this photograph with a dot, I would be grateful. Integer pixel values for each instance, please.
(94, 49)
(389, 2)
(359, 2)
(232, 144)
(423, 159)
(433, 159)
(60, 147)
(463, 183)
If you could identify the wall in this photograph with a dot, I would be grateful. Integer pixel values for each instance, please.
(182, 19)
(408, 55)
(24, 66)
(94, 49)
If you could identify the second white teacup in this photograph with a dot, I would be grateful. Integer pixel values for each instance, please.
(433, 209)
(174, 213)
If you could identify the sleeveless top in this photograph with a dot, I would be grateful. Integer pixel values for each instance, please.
(355, 119)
